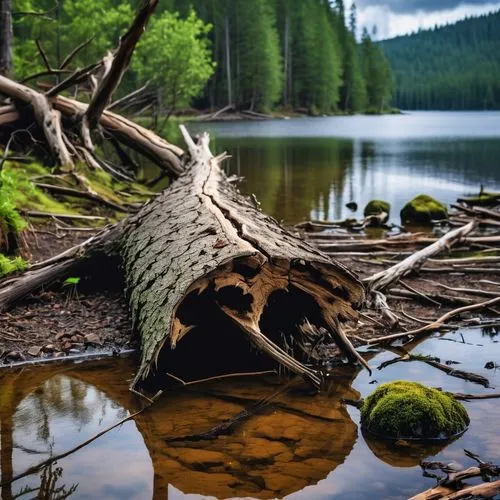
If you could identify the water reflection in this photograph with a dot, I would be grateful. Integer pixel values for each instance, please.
(310, 168)
(300, 447)
(298, 179)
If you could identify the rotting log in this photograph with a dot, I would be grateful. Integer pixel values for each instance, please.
(202, 240)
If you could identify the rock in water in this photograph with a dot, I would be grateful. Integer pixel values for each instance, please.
(423, 209)
(377, 207)
(408, 410)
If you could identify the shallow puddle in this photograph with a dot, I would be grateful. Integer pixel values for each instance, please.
(302, 446)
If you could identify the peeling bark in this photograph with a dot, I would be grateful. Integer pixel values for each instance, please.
(201, 238)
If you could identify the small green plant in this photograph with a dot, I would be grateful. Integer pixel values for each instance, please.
(71, 282)
(8, 266)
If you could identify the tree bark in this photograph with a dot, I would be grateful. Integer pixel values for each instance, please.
(6, 36)
(202, 240)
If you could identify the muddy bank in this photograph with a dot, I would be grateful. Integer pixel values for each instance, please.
(66, 320)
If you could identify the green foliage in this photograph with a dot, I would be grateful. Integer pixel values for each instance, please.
(8, 266)
(375, 207)
(423, 209)
(10, 185)
(454, 67)
(402, 410)
(259, 81)
(174, 54)
(71, 23)
(72, 280)
(377, 73)
(256, 54)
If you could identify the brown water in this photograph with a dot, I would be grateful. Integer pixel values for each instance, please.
(303, 446)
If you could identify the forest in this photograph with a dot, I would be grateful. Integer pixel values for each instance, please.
(454, 67)
(260, 55)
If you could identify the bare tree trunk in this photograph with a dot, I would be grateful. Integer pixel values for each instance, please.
(228, 61)
(286, 60)
(6, 36)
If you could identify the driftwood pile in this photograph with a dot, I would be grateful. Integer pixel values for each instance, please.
(472, 245)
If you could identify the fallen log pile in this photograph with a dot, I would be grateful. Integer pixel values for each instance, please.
(198, 257)
(452, 485)
(473, 254)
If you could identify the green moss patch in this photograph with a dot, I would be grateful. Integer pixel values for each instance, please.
(423, 209)
(484, 199)
(408, 410)
(376, 207)
(8, 266)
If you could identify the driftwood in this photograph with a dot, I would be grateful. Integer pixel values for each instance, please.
(201, 240)
(471, 377)
(390, 276)
(452, 485)
(435, 325)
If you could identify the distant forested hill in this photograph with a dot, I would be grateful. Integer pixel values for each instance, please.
(454, 67)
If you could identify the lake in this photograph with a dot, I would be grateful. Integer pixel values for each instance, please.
(301, 447)
(309, 168)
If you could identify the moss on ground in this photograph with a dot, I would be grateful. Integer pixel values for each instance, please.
(403, 410)
(8, 266)
(423, 209)
(376, 207)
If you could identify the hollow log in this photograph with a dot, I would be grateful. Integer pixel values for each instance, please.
(201, 241)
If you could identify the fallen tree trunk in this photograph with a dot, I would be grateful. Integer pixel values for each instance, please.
(201, 246)
(144, 141)
(202, 242)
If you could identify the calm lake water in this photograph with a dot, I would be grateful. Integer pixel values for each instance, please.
(302, 447)
(311, 167)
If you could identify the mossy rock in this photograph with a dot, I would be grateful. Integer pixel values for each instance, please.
(484, 199)
(376, 207)
(423, 209)
(408, 410)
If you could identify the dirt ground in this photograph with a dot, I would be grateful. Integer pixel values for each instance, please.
(65, 320)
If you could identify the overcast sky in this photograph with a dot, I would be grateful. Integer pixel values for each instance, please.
(398, 17)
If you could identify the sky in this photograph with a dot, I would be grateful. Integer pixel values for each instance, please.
(399, 17)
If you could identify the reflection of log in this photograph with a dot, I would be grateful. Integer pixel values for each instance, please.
(201, 240)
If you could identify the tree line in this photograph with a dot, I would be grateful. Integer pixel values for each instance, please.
(258, 55)
(454, 67)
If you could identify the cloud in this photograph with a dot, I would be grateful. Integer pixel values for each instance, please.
(392, 23)
(412, 6)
